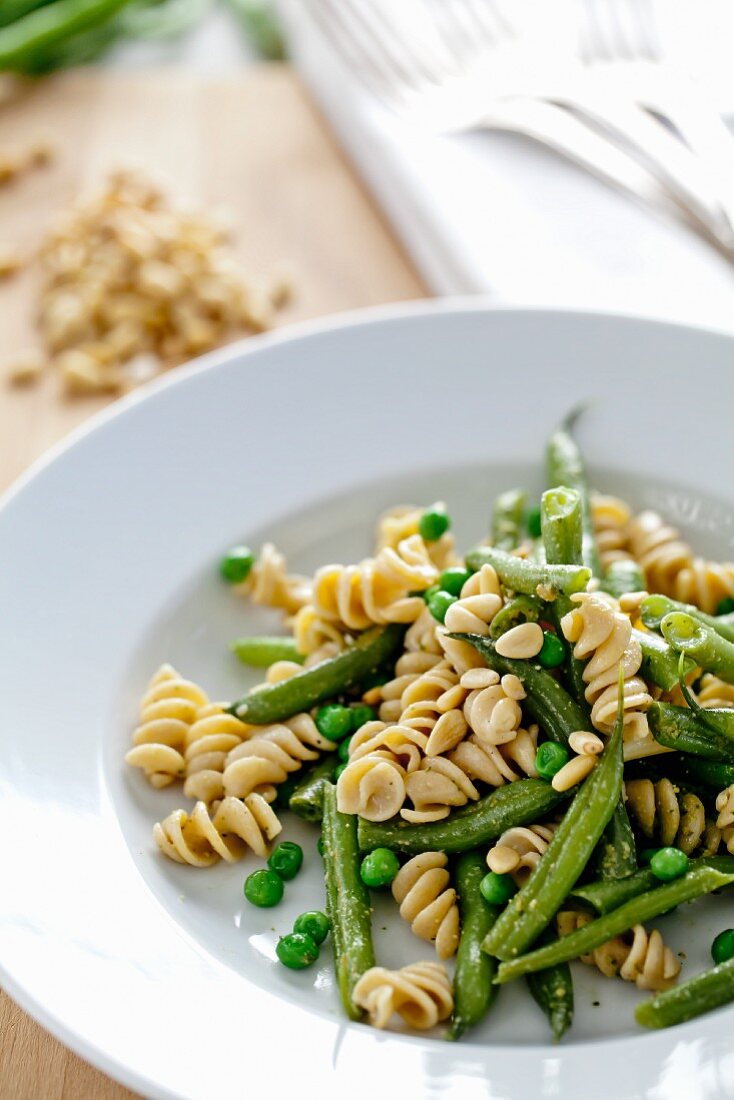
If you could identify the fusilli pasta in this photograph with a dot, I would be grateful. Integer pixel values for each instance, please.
(403, 522)
(518, 850)
(271, 585)
(262, 762)
(634, 956)
(420, 993)
(714, 692)
(667, 815)
(725, 820)
(168, 709)
(209, 741)
(372, 786)
(671, 568)
(610, 517)
(202, 837)
(428, 902)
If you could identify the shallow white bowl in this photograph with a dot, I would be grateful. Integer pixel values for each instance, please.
(162, 975)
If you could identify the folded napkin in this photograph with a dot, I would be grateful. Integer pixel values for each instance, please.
(494, 212)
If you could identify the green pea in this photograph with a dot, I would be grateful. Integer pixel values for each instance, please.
(497, 889)
(453, 580)
(286, 860)
(722, 949)
(361, 714)
(725, 606)
(334, 721)
(439, 604)
(646, 855)
(297, 950)
(379, 868)
(669, 863)
(235, 566)
(264, 889)
(343, 751)
(533, 523)
(433, 523)
(315, 924)
(339, 769)
(552, 652)
(429, 593)
(550, 758)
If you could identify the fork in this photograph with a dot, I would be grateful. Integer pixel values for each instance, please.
(452, 65)
(622, 36)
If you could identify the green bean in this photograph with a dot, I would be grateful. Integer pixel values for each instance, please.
(518, 803)
(656, 607)
(566, 467)
(700, 642)
(562, 526)
(660, 663)
(547, 702)
(10, 10)
(604, 896)
(261, 652)
(623, 576)
(347, 900)
(534, 907)
(507, 519)
(474, 991)
(616, 855)
(552, 990)
(703, 993)
(696, 770)
(521, 609)
(701, 880)
(522, 575)
(324, 681)
(682, 729)
(307, 796)
(43, 28)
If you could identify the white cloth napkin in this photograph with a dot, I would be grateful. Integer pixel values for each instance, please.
(490, 212)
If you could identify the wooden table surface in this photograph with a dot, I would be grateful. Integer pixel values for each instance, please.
(252, 143)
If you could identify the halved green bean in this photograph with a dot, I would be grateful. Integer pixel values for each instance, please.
(565, 466)
(680, 728)
(324, 681)
(533, 908)
(700, 642)
(656, 607)
(507, 519)
(623, 576)
(697, 770)
(698, 995)
(347, 900)
(521, 609)
(605, 896)
(44, 27)
(695, 883)
(562, 526)
(307, 797)
(547, 701)
(518, 803)
(522, 575)
(616, 854)
(552, 990)
(261, 652)
(660, 663)
(474, 991)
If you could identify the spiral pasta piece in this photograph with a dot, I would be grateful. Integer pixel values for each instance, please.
(420, 993)
(422, 635)
(404, 745)
(666, 815)
(376, 590)
(271, 585)
(602, 638)
(492, 714)
(671, 568)
(316, 635)
(498, 764)
(209, 741)
(372, 786)
(634, 956)
(262, 762)
(725, 820)
(479, 601)
(715, 693)
(428, 902)
(610, 517)
(408, 668)
(434, 788)
(167, 710)
(402, 522)
(200, 838)
(518, 850)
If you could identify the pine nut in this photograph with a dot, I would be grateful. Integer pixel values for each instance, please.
(512, 686)
(586, 744)
(522, 642)
(573, 772)
(480, 678)
(502, 859)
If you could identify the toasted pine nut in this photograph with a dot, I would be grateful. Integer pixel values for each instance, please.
(512, 685)
(573, 772)
(502, 859)
(586, 744)
(479, 678)
(521, 642)
(631, 602)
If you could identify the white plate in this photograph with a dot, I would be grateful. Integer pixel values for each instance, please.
(162, 975)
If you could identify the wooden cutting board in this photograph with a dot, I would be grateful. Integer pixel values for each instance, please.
(252, 143)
